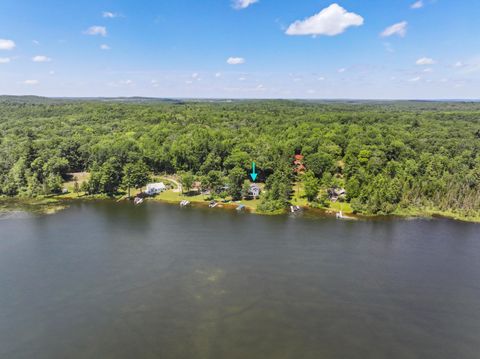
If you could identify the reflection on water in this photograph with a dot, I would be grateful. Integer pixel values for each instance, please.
(106, 280)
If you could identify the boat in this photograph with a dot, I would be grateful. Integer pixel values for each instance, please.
(294, 209)
(184, 203)
(213, 204)
(240, 207)
(340, 215)
(138, 200)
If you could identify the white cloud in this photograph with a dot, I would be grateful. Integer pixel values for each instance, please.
(155, 83)
(126, 82)
(41, 58)
(243, 4)
(51, 73)
(417, 5)
(241, 79)
(342, 70)
(36, 42)
(4, 60)
(321, 78)
(399, 29)
(105, 47)
(218, 74)
(31, 82)
(195, 75)
(331, 21)
(471, 65)
(7, 44)
(415, 79)
(109, 15)
(425, 61)
(235, 60)
(96, 30)
(428, 69)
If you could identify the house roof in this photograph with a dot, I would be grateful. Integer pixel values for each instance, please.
(156, 185)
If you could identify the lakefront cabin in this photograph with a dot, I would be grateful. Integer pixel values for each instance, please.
(155, 188)
(336, 193)
(254, 190)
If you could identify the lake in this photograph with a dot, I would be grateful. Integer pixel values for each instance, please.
(111, 280)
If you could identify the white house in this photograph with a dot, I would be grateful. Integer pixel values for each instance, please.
(254, 190)
(155, 188)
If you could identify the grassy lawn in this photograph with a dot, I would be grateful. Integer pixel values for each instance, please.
(299, 199)
(340, 206)
(170, 196)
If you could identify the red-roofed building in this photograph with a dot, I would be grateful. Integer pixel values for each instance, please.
(298, 162)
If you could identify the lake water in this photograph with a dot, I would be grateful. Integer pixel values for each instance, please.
(109, 280)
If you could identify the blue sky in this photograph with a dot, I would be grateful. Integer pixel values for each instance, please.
(375, 49)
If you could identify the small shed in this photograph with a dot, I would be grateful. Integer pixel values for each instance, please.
(155, 188)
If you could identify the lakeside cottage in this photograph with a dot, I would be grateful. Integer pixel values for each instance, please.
(155, 188)
(254, 190)
(336, 193)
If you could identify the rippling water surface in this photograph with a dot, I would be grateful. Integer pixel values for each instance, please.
(109, 280)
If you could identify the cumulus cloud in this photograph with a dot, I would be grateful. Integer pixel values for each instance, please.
(243, 4)
(415, 79)
(424, 61)
(7, 44)
(399, 29)
(105, 47)
(331, 21)
(31, 82)
(96, 30)
(235, 60)
(4, 60)
(417, 5)
(458, 64)
(41, 58)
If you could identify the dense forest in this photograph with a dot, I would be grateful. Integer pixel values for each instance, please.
(388, 156)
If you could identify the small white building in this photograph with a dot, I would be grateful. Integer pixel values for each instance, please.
(155, 188)
(254, 190)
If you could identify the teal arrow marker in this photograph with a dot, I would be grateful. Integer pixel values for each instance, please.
(253, 174)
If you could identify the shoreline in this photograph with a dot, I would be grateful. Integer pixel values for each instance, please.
(51, 205)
